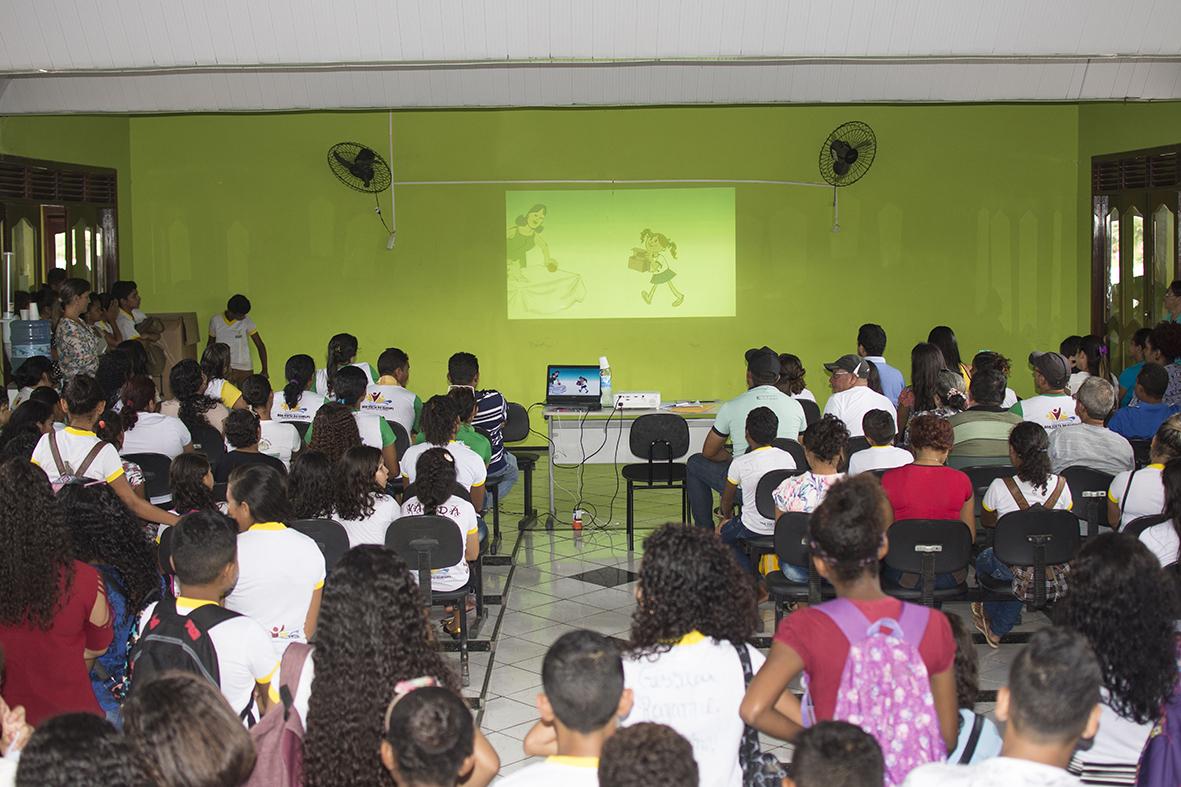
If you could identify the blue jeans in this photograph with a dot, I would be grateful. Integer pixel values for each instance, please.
(1002, 615)
(733, 533)
(794, 573)
(703, 477)
(506, 478)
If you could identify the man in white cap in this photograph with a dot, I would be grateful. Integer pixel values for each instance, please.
(851, 396)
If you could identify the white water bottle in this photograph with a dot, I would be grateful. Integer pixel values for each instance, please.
(605, 398)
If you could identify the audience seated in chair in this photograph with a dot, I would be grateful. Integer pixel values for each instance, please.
(1141, 420)
(1163, 539)
(836, 754)
(791, 378)
(1052, 407)
(982, 430)
(882, 454)
(1138, 493)
(348, 388)
(440, 423)
(362, 507)
(986, 360)
(825, 443)
(931, 388)
(871, 345)
(852, 396)
(389, 397)
(1090, 443)
(1049, 708)
(190, 402)
(706, 472)
(463, 369)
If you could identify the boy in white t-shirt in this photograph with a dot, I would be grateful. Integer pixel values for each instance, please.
(237, 330)
(440, 422)
(744, 473)
(882, 454)
(388, 397)
(851, 396)
(126, 293)
(580, 707)
(204, 557)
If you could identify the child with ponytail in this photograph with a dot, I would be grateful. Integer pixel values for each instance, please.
(297, 402)
(342, 351)
(145, 429)
(278, 439)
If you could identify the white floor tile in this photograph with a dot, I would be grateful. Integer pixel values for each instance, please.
(509, 749)
(501, 713)
(507, 679)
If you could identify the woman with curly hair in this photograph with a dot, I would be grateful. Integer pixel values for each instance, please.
(53, 611)
(190, 478)
(1164, 347)
(695, 612)
(190, 402)
(825, 444)
(312, 486)
(362, 506)
(334, 431)
(107, 536)
(791, 377)
(440, 423)
(1122, 602)
(372, 635)
(29, 421)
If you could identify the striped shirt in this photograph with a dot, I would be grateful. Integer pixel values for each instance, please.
(491, 412)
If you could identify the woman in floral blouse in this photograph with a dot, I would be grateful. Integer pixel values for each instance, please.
(78, 346)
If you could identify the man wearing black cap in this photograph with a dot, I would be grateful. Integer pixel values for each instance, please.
(851, 396)
(706, 472)
(1053, 407)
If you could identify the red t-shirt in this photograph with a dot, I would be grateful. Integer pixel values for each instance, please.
(925, 492)
(45, 670)
(820, 643)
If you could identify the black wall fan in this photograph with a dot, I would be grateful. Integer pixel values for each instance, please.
(845, 157)
(360, 168)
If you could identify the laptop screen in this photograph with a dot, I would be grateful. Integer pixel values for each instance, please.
(572, 384)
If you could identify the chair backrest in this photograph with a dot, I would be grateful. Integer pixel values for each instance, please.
(219, 491)
(983, 476)
(208, 441)
(401, 437)
(302, 427)
(947, 541)
(767, 485)
(792, 538)
(425, 542)
(811, 411)
(1088, 490)
(795, 449)
(155, 467)
(1019, 535)
(1142, 523)
(659, 437)
(328, 534)
(516, 426)
(855, 444)
(1141, 449)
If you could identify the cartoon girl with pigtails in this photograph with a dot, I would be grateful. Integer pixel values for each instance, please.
(650, 257)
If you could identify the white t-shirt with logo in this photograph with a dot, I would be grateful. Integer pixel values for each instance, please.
(156, 433)
(235, 333)
(304, 410)
(74, 445)
(369, 426)
(556, 770)
(1162, 541)
(1050, 411)
(126, 324)
(997, 772)
(279, 440)
(224, 391)
(394, 403)
(745, 472)
(998, 498)
(469, 467)
(878, 457)
(371, 530)
(695, 687)
(852, 404)
(1144, 497)
(244, 653)
(278, 570)
(463, 515)
(322, 376)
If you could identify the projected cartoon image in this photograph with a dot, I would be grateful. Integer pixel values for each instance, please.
(536, 285)
(650, 257)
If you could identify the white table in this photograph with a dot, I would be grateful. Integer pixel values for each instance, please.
(602, 437)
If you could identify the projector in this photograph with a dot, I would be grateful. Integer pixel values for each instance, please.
(637, 400)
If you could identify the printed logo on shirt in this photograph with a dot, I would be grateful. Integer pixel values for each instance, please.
(1058, 414)
(375, 397)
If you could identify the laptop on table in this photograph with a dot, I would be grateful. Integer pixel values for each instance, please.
(575, 386)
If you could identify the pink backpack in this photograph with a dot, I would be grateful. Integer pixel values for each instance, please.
(885, 688)
(278, 738)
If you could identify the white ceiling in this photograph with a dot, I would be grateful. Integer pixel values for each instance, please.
(169, 55)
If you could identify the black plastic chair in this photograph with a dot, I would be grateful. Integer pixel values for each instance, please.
(477, 566)
(426, 543)
(155, 467)
(793, 546)
(855, 444)
(208, 441)
(516, 429)
(811, 411)
(1088, 489)
(795, 449)
(219, 492)
(928, 547)
(765, 504)
(1142, 450)
(401, 438)
(659, 438)
(329, 535)
(302, 427)
(1033, 538)
(982, 477)
(1142, 523)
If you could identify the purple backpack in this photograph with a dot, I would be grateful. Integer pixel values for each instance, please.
(885, 688)
(278, 738)
(1160, 762)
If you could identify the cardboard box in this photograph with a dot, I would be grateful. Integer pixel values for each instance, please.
(180, 339)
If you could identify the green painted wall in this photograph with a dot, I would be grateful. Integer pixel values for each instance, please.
(97, 140)
(968, 217)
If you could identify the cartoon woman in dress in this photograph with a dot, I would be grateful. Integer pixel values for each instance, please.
(537, 285)
(650, 257)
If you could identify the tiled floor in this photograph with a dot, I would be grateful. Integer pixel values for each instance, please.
(543, 600)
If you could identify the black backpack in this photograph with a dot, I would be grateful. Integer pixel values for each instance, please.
(172, 641)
